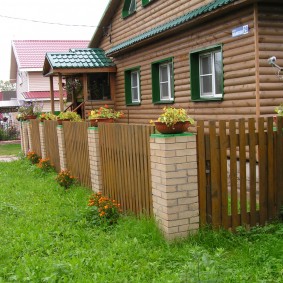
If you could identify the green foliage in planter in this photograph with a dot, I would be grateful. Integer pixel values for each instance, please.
(73, 116)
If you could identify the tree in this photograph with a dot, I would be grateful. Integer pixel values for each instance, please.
(7, 85)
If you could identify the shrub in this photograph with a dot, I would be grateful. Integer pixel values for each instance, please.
(33, 157)
(66, 179)
(45, 165)
(103, 210)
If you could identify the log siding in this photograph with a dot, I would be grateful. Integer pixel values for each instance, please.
(248, 84)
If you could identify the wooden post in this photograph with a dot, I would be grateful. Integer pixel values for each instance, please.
(61, 93)
(52, 93)
(85, 94)
(112, 86)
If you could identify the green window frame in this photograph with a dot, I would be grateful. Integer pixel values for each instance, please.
(146, 2)
(129, 8)
(162, 73)
(206, 69)
(132, 86)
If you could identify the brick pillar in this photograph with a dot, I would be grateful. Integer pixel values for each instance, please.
(174, 183)
(62, 147)
(29, 136)
(94, 159)
(25, 139)
(42, 140)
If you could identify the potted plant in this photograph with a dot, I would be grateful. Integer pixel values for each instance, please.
(29, 110)
(173, 121)
(104, 114)
(68, 116)
(47, 116)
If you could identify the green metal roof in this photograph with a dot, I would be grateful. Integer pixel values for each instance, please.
(171, 24)
(80, 58)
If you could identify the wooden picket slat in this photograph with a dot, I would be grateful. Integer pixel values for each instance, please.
(215, 176)
(223, 144)
(125, 164)
(279, 167)
(270, 165)
(233, 173)
(262, 151)
(201, 172)
(252, 171)
(243, 175)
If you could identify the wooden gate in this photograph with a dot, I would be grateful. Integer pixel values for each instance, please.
(125, 161)
(240, 172)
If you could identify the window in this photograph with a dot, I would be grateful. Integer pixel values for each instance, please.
(132, 86)
(98, 86)
(129, 8)
(207, 74)
(162, 81)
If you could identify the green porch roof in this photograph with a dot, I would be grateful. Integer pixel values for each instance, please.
(80, 58)
(171, 24)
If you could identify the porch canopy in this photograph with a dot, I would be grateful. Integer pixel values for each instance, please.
(77, 62)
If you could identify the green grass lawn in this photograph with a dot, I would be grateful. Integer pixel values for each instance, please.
(10, 149)
(45, 237)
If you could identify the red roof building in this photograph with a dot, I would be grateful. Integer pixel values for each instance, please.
(27, 59)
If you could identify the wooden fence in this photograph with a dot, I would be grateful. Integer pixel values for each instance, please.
(35, 136)
(125, 160)
(236, 188)
(51, 143)
(77, 156)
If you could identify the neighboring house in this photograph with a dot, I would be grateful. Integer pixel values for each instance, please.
(8, 101)
(210, 57)
(27, 58)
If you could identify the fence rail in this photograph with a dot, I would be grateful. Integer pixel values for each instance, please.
(125, 159)
(236, 188)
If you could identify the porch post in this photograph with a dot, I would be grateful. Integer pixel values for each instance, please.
(52, 94)
(112, 86)
(85, 94)
(61, 93)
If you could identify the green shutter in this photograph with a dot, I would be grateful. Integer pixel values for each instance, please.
(145, 2)
(128, 85)
(194, 70)
(155, 83)
(128, 95)
(125, 10)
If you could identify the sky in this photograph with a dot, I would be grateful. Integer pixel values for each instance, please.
(66, 12)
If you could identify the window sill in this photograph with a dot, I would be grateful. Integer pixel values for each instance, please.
(164, 102)
(207, 99)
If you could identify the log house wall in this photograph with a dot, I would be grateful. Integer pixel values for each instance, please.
(239, 62)
(270, 19)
